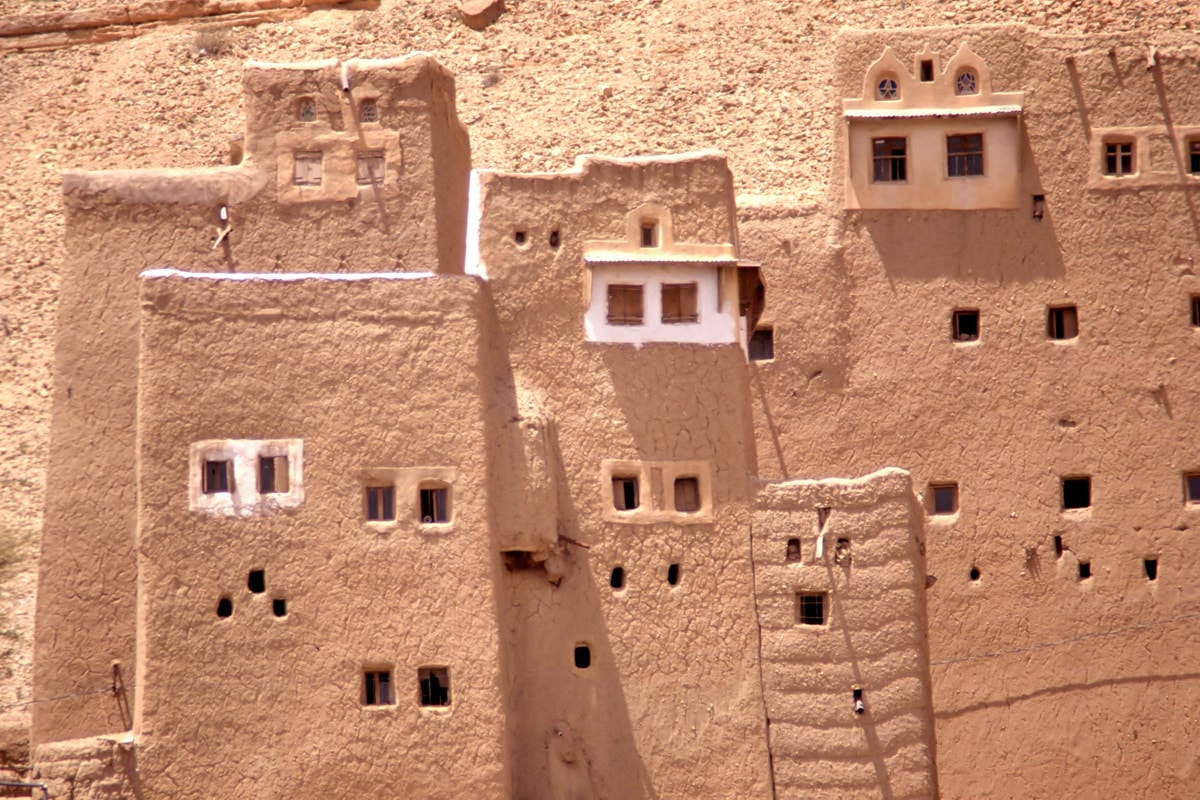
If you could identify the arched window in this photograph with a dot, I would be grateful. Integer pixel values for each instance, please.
(888, 89)
(306, 110)
(966, 83)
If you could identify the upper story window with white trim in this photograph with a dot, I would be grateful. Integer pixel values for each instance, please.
(240, 477)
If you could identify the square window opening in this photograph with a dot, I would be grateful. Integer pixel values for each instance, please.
(368, 111)
(256, 581)
(1076, 492)
(965, 325)
(377, 688)
(1150, 565)
(1063, 322)
(381, 503)
(371, 168)
(625, 493)
(926, 70)
(687, 495)
(650, 234)
(889, 160)
(793, 549)
(435, 686)
(583, 656)
(1085, 570)
(307, 170)
(273, 475)
(811, 607)
(679, 303)
(762, 345)
(964, 155)
(218, 477)
(624, 304)
(1191, 488)
(1118, 159)
(945, 498)
(435, 504)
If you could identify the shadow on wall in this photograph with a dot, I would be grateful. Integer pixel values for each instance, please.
(999, 245)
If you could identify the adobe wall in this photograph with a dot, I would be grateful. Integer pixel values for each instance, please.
(673, 678)
(121, 222)
(1063, 681)
(867, 560)
(378, 377)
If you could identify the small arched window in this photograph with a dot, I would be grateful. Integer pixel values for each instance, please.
(966, 83)
(888, 89)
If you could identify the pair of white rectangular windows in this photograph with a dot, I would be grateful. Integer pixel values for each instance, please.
(627, 494)
(218, 476)
(680, 303)
(434, 504)
(889, 157)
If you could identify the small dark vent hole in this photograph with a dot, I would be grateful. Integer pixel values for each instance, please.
(1058, 547)
(1085, 570)
(1151, 565)
(583, 656)
(554, 239)
(975, 573)
(257, 582)
(1076, 492)
(225, 607)
(279, 607)
(926, 71)
(793, 550)
(673, 574)
(519, 237)
(617, 579)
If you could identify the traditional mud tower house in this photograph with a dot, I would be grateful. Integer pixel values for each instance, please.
(373, 478)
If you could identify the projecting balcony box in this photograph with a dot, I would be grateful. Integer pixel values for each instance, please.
(649, 288)
(942, 140)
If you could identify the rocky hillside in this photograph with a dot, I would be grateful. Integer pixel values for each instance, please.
(549, 80)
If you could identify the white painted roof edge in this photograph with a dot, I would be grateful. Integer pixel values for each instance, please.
(286, 277)
(911, 113)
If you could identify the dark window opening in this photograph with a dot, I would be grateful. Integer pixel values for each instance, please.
(377, 689)
(1085, 570)
(841, 552)
(762, 345)
(435, 686)
(257, 581)
(273, 475)
(1151, 567)
(687, 495)
(679, 303)
(926, 70)
(1058, 547)
(554, 239)
(1191, 488)
(858, 701)
(945, 498)
(624, 304)
(279, 607)
(965, 325)
(515, 560)
(822, 516)
(583, 656)
(1076, 492)
(224, 607)
(1194, 156)
(975, 573)
(1039, 206)
(519, 237)
(889, 159)
(617, 579)
(649, 234)
(1063, 323)
(1196, 311)
(1118, 159)
(625, 493)
(810, 608)
(673, 574)
(381, 503)
(435, 505)
(793, 549)
(964, 155)
(218, 477)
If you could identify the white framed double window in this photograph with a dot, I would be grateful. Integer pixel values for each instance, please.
(240, 477)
